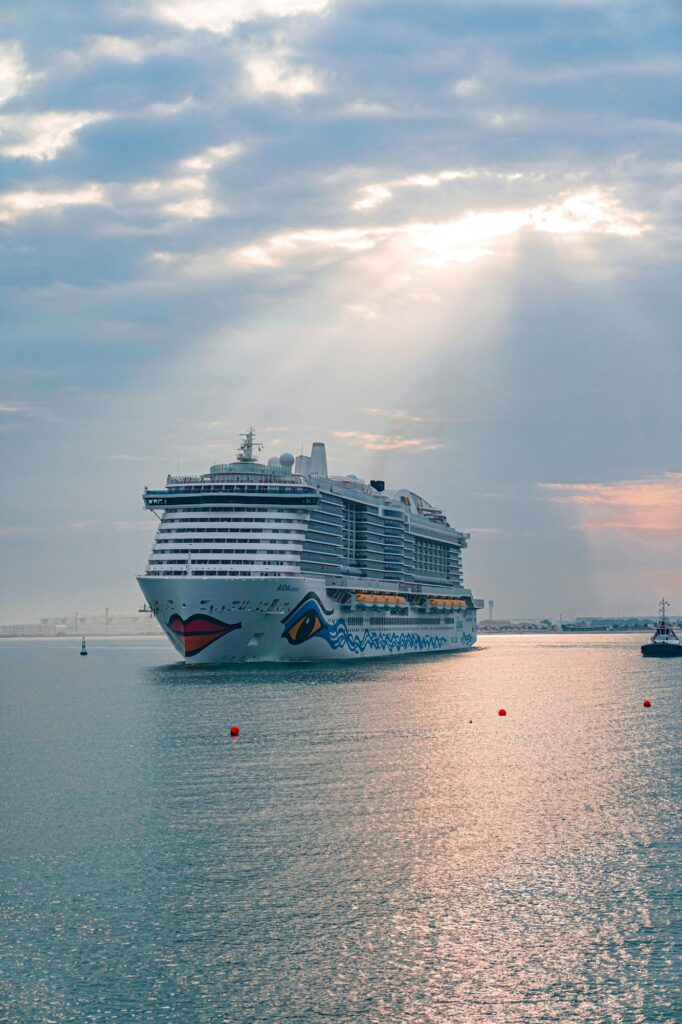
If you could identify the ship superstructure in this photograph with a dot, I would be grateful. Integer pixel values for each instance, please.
(665, 642)
(281, 562)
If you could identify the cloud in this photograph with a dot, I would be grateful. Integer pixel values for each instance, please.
(161, 110)
(129, 51)
(590, 211)
(187, 195)
(386, 442)
(380, 192)
(364, 311)
(95, 49)
(277, 249)
(195, 208)
(663, 65)
(272, 73)
(20, 204)
(222, 16)
(653, 504)
(124, 49)
(494, 79)
(367, 108)
(211, 157)
(14, 407)
(467, 238)
(397, 414)
(13, 73)
(467, 86)
(41, 136)
(183, 197)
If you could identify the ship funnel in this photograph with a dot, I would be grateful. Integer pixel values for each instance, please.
(318, 460)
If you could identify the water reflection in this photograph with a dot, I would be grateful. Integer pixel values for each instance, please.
(376, 845)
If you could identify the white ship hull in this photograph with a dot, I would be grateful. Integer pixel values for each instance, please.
(212, 621)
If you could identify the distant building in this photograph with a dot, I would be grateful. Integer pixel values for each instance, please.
(607, 625)
(517, 626)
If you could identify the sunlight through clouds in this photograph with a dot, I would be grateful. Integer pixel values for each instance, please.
(463, 240)
(417, 224)
(372, 196)
(594, 210)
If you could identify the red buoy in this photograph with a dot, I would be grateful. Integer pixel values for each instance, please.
(234, 731)
(647, 703)
(502, 712)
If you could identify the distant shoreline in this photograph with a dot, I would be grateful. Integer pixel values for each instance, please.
(89, 636)
(159, 635)
(563, 632)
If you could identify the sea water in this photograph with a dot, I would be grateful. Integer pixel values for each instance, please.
(378, 845)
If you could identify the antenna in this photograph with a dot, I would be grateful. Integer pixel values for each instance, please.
(662, 607)
(246, 448)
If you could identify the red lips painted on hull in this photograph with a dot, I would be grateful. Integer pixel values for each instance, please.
(198, 631)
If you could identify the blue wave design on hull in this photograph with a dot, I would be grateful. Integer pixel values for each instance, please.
(310, 619)
(337, 636)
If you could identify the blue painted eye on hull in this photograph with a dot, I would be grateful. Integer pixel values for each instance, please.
(306, 620)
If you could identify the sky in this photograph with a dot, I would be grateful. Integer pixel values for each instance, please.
(443, 237)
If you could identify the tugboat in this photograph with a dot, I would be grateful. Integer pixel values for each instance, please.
(664, 643)
(83, 648)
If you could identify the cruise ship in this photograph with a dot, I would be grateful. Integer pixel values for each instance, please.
(282, 562)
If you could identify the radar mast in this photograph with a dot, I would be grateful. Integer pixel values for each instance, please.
(248, 446)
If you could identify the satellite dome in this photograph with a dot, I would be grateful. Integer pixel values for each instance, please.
(286, 460)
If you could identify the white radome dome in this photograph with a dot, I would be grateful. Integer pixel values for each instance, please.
(287, 460)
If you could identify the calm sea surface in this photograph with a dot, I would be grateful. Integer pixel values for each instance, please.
(377, 846)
